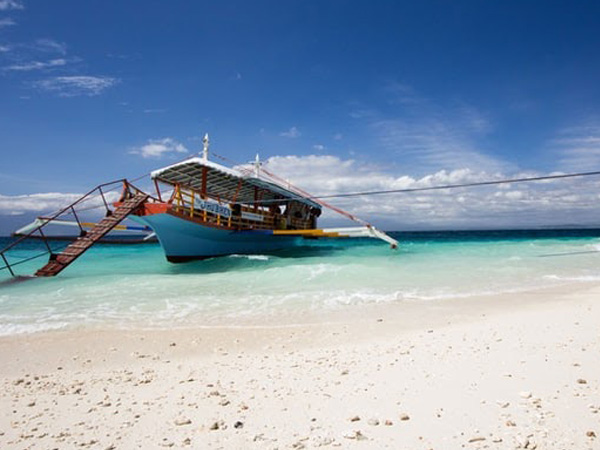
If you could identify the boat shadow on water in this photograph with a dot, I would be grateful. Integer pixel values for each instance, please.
(15, 280)
(251, 261)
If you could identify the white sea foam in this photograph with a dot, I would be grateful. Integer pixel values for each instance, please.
(252, 257)
(9, 329)
(320, 270)
(573, 278)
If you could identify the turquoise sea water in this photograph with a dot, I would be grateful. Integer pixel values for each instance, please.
(125, 286)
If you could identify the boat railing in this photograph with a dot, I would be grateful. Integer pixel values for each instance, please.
(190, 203)
(38, 230)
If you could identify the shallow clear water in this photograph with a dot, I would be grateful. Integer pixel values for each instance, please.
(113, 285)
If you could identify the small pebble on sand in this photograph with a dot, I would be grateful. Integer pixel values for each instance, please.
(219, 425)
(355, 434)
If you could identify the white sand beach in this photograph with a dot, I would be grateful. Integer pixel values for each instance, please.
(511, 371)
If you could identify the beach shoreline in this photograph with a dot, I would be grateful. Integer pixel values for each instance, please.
(504, 371)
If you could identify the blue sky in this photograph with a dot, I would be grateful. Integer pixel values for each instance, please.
(370, 93)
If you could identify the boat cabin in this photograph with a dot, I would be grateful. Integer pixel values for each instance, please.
(215, 195)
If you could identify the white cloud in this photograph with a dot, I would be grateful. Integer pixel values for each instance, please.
(118, 56)
(7, 23)
(427, 136)
(37, 65)
(401, 93)
(157, 148)
(557, 203)
(472, 120)
(48, 203)
(4, 48)
(292, 133)
(362, 113)
(578, 147)
(72, 86)
(38, 49)
(50, 46)
(38, 203)
(327, 174)
(432, 144)
(6, 5)
(319, 147)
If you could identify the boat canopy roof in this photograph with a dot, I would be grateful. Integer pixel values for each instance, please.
(224, 182)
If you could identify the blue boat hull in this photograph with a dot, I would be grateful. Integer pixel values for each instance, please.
(183, 240)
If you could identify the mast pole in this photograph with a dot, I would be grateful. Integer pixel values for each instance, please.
(206, 142)
(257, 166)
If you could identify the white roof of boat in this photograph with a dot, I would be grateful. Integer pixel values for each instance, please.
(224, 182)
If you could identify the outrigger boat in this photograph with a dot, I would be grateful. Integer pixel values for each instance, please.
(202, 210)
(214, 210)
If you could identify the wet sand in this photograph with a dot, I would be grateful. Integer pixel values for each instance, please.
(511, 371)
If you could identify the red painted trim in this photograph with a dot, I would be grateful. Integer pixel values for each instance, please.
(149, 209)
(156, 208)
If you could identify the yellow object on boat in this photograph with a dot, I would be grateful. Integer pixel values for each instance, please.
(308, 233)
(348, 232)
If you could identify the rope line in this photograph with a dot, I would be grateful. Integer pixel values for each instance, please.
(441, 187)
(463, 185)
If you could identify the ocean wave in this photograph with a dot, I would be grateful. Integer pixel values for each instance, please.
(10, 329)
(251, 257)
(571, 278)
